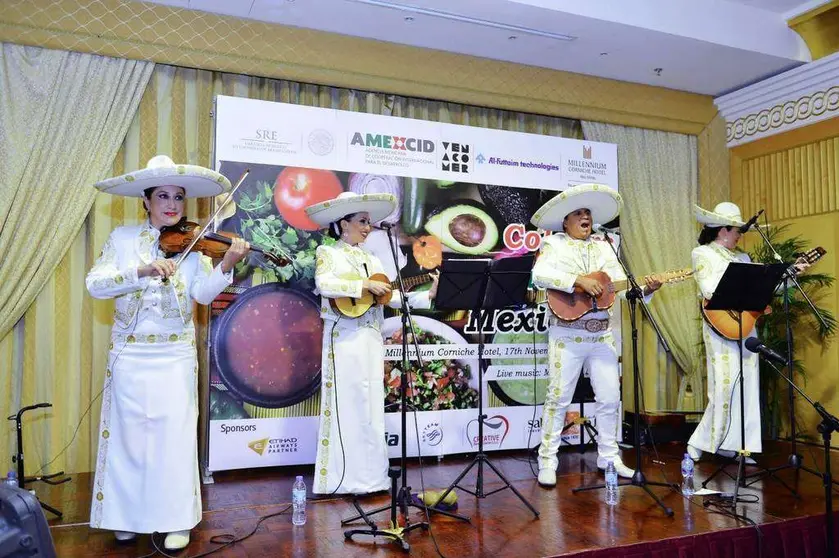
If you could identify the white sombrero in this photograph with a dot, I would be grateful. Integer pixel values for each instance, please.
(725, 214)
(197, 182)
(603, 201)
(378, 206)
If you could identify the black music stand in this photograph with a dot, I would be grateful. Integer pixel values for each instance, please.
(743, 287)
(478, 285)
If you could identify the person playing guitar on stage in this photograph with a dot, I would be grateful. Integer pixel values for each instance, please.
(719, 429)
(564, 261)
(352, 453)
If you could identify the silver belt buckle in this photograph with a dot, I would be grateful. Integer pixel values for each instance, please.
(593, 326)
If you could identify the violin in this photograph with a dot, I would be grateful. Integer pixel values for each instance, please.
(176, 238)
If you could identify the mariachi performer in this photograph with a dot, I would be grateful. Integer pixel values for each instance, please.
(352, 453)
(147, 477)
(719, 429)
(565, 259)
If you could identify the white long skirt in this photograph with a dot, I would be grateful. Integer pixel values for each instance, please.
(352, 452)
(720, 425)
(147, 475)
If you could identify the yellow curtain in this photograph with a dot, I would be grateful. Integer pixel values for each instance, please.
(659, 183)
(61, 343)
(56, 138)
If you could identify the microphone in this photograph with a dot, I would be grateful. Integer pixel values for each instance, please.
(601, 228)
(755, 346)
(750, 222)
(383, 226)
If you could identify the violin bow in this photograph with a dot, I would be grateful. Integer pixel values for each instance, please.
(212, 219)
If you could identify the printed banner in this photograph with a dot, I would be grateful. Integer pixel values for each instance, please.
(463, 193)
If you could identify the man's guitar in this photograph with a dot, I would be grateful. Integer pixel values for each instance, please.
(575, 305)
(724, 322)
(355, 307)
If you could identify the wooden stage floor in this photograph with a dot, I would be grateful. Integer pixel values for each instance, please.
(500, 524)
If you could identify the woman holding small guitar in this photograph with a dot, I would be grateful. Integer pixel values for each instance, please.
(719, 429)
(565, 263)
(352, 452)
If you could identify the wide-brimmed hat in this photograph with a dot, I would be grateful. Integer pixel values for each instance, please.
(197, 182)
(725, 214)
(603, 201)
(378, 206)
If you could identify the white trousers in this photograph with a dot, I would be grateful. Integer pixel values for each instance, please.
(720, 425)
(568, 351)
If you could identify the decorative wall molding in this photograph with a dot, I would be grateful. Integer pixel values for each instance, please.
(799, 97)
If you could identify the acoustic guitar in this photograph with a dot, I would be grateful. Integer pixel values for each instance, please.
(573, 306)
(725, 323)
(356, 307)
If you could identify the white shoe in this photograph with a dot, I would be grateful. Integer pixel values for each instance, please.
(547, 477)
(123, 536)
(623, 470)
(694, 453)
(176, 540)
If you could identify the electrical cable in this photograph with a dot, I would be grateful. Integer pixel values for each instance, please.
(337, 414)
(225, 539)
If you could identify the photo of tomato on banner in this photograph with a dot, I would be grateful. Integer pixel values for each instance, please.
(297, 188)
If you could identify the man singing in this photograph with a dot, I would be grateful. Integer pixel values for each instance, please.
(564, 261)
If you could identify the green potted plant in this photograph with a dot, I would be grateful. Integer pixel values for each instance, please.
(806, 328)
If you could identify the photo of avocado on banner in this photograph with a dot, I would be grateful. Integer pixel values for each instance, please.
(266, 330)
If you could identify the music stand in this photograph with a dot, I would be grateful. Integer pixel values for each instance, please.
(744, 287)
(478, 285)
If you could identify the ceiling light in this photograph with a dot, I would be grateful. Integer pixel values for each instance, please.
(512, 37)
(409, 18)
(465, 19)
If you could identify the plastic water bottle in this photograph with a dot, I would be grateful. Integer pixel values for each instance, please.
(687, 476)
(11, 479)
(611, 484)
(298, 501)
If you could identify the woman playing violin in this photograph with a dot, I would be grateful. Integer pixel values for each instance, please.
(147, 477)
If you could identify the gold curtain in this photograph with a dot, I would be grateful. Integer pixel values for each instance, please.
(61, 343)
(56, 138)
(658, 173)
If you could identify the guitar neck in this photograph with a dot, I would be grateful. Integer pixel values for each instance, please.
(665, 278)
(411, 282)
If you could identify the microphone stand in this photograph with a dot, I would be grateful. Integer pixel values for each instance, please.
(638, 479)
(401, 500)
(795, 460)
(22, 480)
(826, 428)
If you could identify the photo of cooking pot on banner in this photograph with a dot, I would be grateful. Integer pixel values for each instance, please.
(266, 329)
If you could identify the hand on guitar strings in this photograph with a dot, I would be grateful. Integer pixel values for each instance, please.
(378, 288)
(590, 285)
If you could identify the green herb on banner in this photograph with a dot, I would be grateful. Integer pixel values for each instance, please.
(259, 203)
(260, 225)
